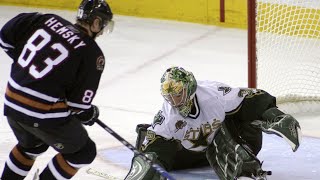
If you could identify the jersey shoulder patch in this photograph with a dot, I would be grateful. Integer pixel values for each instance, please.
(224, 89)
(158, 119)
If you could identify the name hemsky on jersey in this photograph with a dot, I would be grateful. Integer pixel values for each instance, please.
(66, 32)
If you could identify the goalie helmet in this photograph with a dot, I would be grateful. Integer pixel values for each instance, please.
(90, 9)
(178, 87)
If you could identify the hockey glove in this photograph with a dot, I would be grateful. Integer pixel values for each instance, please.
(142, 170)
(88, 117)
(284, 125)
(141, 130)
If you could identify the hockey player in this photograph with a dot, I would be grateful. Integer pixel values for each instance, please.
(207, 122)
(55, 74)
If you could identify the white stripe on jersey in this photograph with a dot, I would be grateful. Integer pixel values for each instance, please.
(5, 44)
(76, 105)
(35, 114)
(32, 92)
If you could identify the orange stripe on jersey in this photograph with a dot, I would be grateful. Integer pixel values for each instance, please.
(34, 103)
(65, 166)
(23, 160)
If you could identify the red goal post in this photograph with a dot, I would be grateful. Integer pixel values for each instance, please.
(284, 50)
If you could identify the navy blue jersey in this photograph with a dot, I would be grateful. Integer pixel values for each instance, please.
(56, 66)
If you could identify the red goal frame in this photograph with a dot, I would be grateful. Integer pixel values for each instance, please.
(252, 56)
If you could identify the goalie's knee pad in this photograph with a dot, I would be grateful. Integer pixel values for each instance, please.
(141, 130)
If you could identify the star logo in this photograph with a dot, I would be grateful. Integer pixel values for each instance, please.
(201, 140)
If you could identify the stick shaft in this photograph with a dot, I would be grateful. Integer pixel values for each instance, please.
(157, 167)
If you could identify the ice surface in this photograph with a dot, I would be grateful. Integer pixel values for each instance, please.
(137, 53)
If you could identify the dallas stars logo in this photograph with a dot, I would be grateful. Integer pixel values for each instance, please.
(225, 90)
(200, 141)
(158, 119)
(199, 137)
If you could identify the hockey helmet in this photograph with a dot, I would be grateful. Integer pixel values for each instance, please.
(90, 9)
(178, 87)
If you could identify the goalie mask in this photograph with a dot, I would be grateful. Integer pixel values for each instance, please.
(178, 87)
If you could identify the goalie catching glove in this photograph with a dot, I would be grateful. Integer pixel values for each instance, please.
(231, 160)
(284, 125)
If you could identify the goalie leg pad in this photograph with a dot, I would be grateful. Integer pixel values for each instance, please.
(276, 122)
(230, 159)
(142, 170)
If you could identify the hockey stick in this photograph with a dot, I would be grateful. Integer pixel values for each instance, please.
(101, 174)
(156, 167)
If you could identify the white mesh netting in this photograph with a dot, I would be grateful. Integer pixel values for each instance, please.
(288, 49)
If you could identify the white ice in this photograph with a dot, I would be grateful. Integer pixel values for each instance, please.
(137, 53)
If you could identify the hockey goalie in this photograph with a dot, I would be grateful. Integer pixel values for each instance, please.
(205, 123)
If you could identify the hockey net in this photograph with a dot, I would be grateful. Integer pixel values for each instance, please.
(286, 51)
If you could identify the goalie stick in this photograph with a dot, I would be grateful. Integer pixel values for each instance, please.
(156, 167)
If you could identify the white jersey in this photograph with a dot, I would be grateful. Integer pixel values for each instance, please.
(195, 132)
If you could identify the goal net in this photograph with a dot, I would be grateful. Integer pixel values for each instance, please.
(286, 50)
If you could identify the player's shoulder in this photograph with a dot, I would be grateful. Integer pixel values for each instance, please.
(170, 114)
(168, 110)
(58, 24)
(36, 20)
(212, 87)
(166, 114)
(208, 88)
(93, 45)
(73, 33)
(38, 16)
(211, 84)
(23, 20)
(28, 14)
(92, 49)
(213, 92)
(164, 121)
(55, 18)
